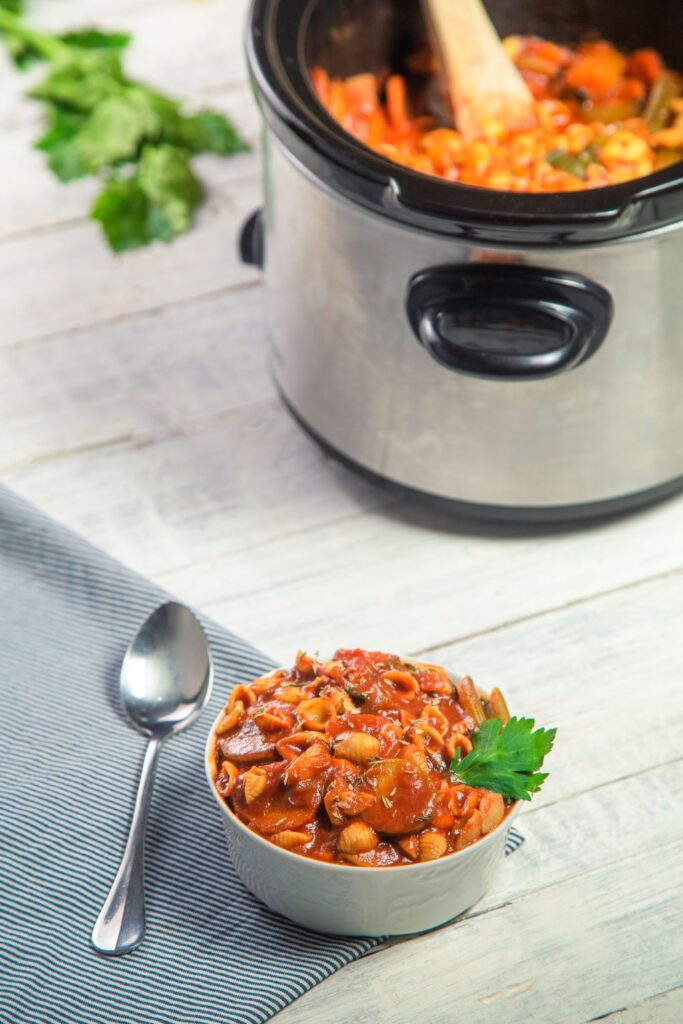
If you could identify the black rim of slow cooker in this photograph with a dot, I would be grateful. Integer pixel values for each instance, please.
(275, 46)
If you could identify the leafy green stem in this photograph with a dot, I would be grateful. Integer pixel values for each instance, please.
(43, 44)
(99, 121)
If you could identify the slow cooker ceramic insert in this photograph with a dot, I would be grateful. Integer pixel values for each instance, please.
(516, 355)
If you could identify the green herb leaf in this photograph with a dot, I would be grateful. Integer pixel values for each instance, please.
(506, 759)
(81, 79)
(210, 132)
(23, 53)
(156, 204)
(63, 157)
(167, 180)
(117, 128)
(98, 119)
(122, 208)
(94, 39)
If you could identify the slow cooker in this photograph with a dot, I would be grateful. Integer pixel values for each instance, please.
(515, 355)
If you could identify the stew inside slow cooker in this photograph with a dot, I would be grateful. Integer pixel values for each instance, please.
(602, 116)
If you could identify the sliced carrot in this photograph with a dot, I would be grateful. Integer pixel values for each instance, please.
(397, 102)
(647, 65)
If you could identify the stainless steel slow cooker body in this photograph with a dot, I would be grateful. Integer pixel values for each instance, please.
(518, 355)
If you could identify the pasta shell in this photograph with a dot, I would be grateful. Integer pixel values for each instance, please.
(433, 716)
(288, 839)
(470, 832)
(272, 721)
(316, 713)
(430, 737)
(492, 810)
(441, 686)
(359, 747)
(267, 683)
(458, 740)
(404, 683)
(343, 801)
(341, 700)
(357, 837)
(227, 778)
(434, 679)
(432, 845)
(290, 694)
(305, 665)
(463, 801)
(230, 718)
(291, 746)
(358, 859)
(333, 670)
(242, 694)
(254, 783)
(307, 765)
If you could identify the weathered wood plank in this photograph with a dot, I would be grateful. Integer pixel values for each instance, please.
(67, 277)
(560, 956)
(666, 1008)
(105, 388)
(211, 54)
(208, 69)
(606, 671)
(407, 574)
(32, 198)
(138, 377)
(591, 830)
(213, 484)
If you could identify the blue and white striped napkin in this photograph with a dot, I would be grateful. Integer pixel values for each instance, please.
(68, 767)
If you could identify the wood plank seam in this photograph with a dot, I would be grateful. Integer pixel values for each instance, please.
(56, 336)
(614, 1015)
(534, 616)
(477, 634)
(138, 440)
(530, 893)
(432, 950)
(216, 196)
(146, 310)
(601, 785)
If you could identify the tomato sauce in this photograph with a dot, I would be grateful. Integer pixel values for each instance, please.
(348, 761)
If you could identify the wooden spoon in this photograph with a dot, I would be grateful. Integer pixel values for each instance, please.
(482, 80)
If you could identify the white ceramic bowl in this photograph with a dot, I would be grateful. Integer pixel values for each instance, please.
(342, 899)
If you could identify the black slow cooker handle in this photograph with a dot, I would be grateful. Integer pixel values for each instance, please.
(508, 321)
(252, 243)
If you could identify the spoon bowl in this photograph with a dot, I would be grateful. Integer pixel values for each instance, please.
(166, 673)
(166, 680)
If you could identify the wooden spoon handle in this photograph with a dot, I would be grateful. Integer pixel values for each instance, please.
(482, 80)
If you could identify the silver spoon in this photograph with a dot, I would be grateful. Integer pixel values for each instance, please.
(166, 680)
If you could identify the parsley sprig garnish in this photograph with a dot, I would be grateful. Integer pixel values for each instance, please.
(100, 121)
(506, 758)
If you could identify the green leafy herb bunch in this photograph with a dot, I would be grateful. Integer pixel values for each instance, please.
(101, 122)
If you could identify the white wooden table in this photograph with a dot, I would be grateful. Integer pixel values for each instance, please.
(137, 408)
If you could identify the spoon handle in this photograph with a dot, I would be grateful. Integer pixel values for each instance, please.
(121, 924)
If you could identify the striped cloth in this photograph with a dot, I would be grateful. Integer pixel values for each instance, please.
(212, 954)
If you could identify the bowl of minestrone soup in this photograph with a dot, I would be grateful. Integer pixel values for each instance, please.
(337, 790)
